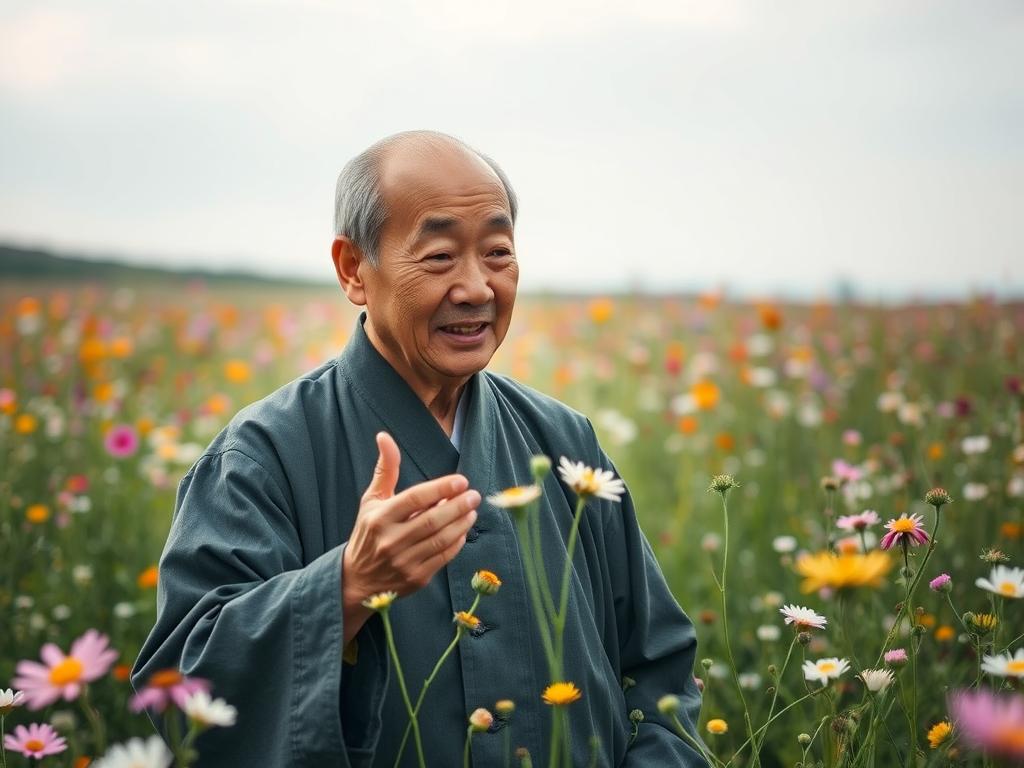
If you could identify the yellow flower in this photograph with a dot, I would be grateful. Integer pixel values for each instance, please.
(25, 424)
(237, 371)
(513, 498)
(705, 395)
(486, 582)
(824, 569)
(561, 694)
(37, 513)
(466, 620)
(381, 601)
(717, 726)
(600, 310)
(939, 734)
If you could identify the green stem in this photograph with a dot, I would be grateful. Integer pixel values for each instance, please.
(775, 696)
(533, 526)
(555, 752)
(563, 595)
(778, 714)
(98, 730)
(401, 684)
(3, 752)
(465, 749)
(534, 591)
(172, 723)
(710, 758)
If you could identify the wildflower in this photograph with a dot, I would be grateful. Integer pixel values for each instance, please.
(486, 582)
(166, 686)
(36, 741)
(846, 571)
(941, 583)
(897, 657)
(975, 444)
(237, 371)
(906, 531)
(588, 482)
(63, 676)
(1005, 665)
(938, 497)
(784, 544)
(830, 483)
(975, 491)
(481, 720)
(25, 424)
(722, 484)
(939, 734)
(945, 633)
(668, 704)
(136, 753)
(37, 513)
(750, 680)
(381, 601)
(10, 699)
(988, 722)
(994, 556)
(515, 498)
(824, 670)
(466, 620)
(206, 712)
(505, 707)
(561, 694)
(980, 623)
(717, 726)
(858, 522)
(803, 618)
(710, 542)
(876, 680)
(1003, 581)
(540, 466)
(148, 578)
(121, 441)
(705, 395)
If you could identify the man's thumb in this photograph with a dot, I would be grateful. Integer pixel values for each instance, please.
(385, 474)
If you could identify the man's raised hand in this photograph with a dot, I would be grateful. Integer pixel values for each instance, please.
(400, 541)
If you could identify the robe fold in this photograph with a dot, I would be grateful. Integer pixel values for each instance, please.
(249, 594)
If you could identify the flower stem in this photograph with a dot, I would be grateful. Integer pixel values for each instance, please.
(534, 591)
(3, 751)
(533, 526)
(555, 753)
(401, 684)
(758, 743)
(465, 749)
(98, 730)
(563, 595)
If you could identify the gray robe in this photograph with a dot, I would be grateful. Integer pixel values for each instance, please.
(250, 585)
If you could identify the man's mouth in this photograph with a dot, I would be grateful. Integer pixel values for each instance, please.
(464, 329)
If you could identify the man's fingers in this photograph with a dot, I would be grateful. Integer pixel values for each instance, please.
(385, 474)
(424, 495)
(438, 518)
(433, 552)
(439, 560)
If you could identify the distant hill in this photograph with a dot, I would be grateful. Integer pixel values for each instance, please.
(18, 262)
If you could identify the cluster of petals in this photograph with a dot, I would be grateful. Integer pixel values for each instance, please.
(876, 680)
(1004, 581)
(803, 618)
(136, 753)
(10, 699)
(164, 687)
(1005, 664)
(61, 676)
(989, 722)
(516, 497)
(588, 482)
(205, 711)
(859, 521)
(904, 530)
(36, 741)
(824, 670)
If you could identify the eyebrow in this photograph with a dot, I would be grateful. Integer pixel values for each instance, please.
(433, 225)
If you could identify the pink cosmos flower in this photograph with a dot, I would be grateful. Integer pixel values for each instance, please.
(121, 441)
(166, 686)
(63, 676)
(905, 530)
(941, 583)
(846, 472)
(990, 723)
(36, 741)
(897, 657)
(858, 522)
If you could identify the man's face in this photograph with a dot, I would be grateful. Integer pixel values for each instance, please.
(440, 300)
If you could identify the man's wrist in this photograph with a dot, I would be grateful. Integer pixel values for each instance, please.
(354, 613)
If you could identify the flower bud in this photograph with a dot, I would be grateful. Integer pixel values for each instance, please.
(722, 483)
(937, 497)
(994, 556)
(668, 704)
(636, 716)
(941, 583)
(505, 707)
(480, 720)
(804, 739)
(523, 756)
(540, 466)
(486, 583)
(707, 663)
(829, 483)
(804, 638)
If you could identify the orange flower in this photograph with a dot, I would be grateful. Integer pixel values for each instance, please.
(771, 318)
(945, 633)
(25, 424)
(121, 347)
(122, 672)
(28, 305)
(561, 694)
(148, 578)
(37, 513)
(1010, 530)
(237, 371)
(687, 425)
(600, 310)
(724, 441)
(92, 350)
(83, 762)
(706, 394)
(936, 451)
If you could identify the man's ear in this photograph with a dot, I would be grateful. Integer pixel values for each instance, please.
(348, 258)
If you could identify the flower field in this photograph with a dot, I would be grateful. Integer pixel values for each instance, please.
(854, 572)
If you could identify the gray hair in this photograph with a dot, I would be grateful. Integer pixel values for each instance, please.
(359, 208)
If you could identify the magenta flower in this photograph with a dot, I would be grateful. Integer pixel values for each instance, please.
(990, 723)
(941, 583)
(121, 441)
(905, 531)
(897, 657)
(858, 522)
(846, 472)
(36, 741)
(166, 686)
(63, 676)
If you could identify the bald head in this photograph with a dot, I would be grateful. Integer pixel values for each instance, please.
(405, 164)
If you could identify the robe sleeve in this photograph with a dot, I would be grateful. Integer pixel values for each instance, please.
(657, 641)
(239, 605)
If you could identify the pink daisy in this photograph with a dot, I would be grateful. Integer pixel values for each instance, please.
(63, 676)
(858, 522)
(36, 741)
(846, 472)
(991, 723)
(121, 441)
(166, 686)
(906, 531)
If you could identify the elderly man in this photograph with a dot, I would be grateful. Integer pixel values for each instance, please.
(367, 475)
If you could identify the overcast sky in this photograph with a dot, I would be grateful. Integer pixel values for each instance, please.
(766, 146)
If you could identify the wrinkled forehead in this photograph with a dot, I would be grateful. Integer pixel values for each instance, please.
(424, 179)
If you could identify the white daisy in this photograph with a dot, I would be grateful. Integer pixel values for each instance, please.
(514, 498)
(803, 618)
(768, 633)
(590, 482)
(824, 670)
(876, 679)
(136, 753)
(9, 699)
(1005, 665)
(1003, 581)
(206, 711)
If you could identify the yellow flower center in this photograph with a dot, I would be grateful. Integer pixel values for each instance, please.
(827, 667)
(903, 525)
(587, 483)
(1016, 667)
(1008, 588)
(467, 620)
(66, 672)
(165, 678)
(489, 577)
(34, 745)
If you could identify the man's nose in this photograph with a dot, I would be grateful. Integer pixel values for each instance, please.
(472, 285)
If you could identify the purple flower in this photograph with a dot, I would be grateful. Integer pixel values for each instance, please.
(905, 530)
(897, 657)
(121, 441)
(941, 583)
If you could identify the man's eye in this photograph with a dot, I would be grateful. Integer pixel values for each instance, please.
(501, 252)
(439, 257)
